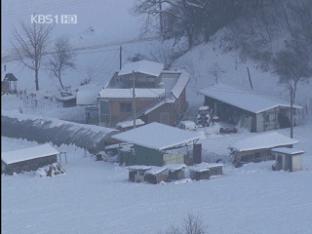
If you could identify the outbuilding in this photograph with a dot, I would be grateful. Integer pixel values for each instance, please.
(29, 159)
(136, 173)
(152, 144)
(176, 171)
(9, 83)
(248, 108)
(287, 159)
(200, 171)
(258, 147)
(156, 175)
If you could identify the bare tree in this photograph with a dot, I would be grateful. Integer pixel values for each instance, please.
(192, 225)
(30, 45)
(61, 59)
(293, 66)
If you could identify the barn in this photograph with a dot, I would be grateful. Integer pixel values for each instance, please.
(258, 147)
(157, 144)
(28, 159)
(248, 109)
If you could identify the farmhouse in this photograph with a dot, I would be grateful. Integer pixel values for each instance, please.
(153, 144)
(258, 148)
(248, 109)
(143, 90)
(28, 159)
(287, 159)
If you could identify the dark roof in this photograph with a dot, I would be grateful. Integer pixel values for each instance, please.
(10, 77)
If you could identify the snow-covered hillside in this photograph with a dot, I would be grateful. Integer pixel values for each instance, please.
(201, 62)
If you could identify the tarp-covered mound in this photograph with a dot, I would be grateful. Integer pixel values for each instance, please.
(43, 129)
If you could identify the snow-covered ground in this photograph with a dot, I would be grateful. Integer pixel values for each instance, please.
(95, 197)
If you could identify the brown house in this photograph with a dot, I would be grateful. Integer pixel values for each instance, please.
(143, 90)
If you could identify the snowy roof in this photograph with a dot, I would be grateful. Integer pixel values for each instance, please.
(87, 94)
(129, 123)
(127, 93)
(180, 84)
(201, 167)
(244, 99)
(175, 167)
(286, 150)
(156, 170)
(139, 168)
(21, 155)
(157, 136)
(266, 140)
(143, 66)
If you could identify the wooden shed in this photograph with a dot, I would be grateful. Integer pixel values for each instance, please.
(9, 83)
(28, 159)
(176, 171)
(136, 173)
(287, 159)
(200, 171)
(258, 147)
(156, 175)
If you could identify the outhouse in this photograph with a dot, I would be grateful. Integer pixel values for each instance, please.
(287, 159)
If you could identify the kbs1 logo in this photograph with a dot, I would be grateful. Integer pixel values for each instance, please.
(53, 19)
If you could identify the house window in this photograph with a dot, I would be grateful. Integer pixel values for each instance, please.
(125, 107)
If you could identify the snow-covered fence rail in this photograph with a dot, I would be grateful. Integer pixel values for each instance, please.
(42, 129)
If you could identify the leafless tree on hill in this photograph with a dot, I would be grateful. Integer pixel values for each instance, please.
(30, 44)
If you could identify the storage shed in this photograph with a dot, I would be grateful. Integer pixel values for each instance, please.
(258, 147)
(151, 141)
(28, 159)
(176, 171)
(287, 159)
(9, 83)
(248, 108)
(156, 175)
(200, 171)
(136, 173)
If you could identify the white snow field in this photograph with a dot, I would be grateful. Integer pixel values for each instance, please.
(95, 197)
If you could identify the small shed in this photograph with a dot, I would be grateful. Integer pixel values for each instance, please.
(287, 159)
(258, 147)
(136, 173)
(152, 140)
(200, 171)
(215, 168)
(28, 159)
(176, 171)
(156, 175)
(9, 83)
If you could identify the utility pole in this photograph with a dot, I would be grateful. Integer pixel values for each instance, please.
(160, 19)
(133, 100)
(120, 57)
(249, 78)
